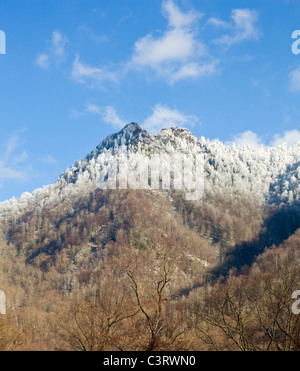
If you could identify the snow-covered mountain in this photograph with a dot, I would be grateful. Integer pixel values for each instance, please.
(268, 174)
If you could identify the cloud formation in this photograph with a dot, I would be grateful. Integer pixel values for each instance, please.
(83, 73)
(243, 26)
(11, 161)
(163, 118)
(253, 140)
(288, 137)
(175, 53)
(246, 139)
(56, 51)
(108, 115)
(42, 60)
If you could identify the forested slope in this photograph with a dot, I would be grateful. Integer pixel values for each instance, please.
(91, 269)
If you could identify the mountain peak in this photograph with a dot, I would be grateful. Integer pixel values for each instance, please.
(133, 126)
(132, 133)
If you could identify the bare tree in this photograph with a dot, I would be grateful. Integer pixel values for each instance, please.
(222, 317)
(161, 322)
(101, 322)
(271, 303)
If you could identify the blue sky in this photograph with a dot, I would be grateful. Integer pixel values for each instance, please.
(76, 71)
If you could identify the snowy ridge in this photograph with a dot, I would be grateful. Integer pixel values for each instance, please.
(268, 174)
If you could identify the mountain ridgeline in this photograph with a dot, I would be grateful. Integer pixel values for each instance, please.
(71, 246)
(269, 175)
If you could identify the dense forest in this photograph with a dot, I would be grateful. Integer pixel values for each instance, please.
(115, 266)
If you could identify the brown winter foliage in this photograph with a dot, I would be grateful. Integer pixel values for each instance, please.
(137, 270)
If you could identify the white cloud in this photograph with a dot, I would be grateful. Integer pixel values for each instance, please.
(58, 44)
(243, 27)
(194, 70)
(108, 115)
(176, 18)
(253, 140)
(56, 51)
(82, 73)
(11, 144)
(10, 161)
(218, 22)
(175, 53)
(163, 118)
(93, 108)
(289, 138)
(247, 138)
(42, 60)
(175, 45)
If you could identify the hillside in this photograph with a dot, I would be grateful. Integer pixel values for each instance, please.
(145, 259)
